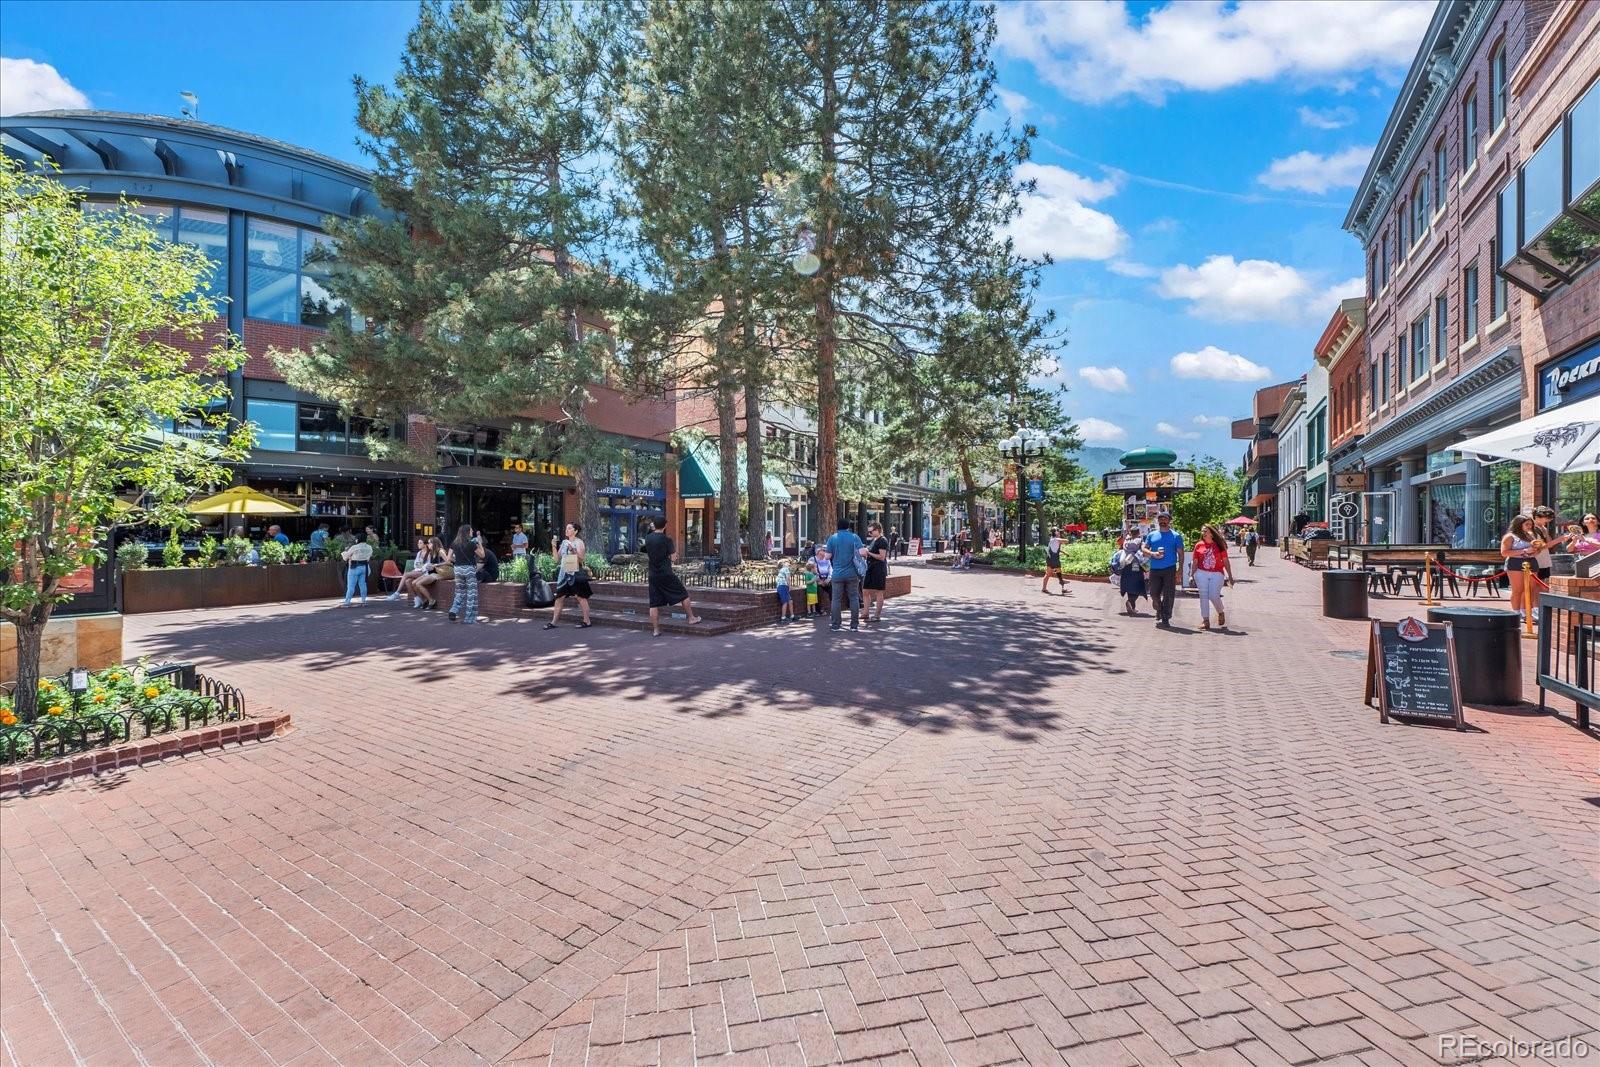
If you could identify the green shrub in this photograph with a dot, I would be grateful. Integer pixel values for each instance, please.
(297, 552)
(131, 556)
(515, 569)
(273, 553)
(236, 551)
(172, 551)
(208, 552)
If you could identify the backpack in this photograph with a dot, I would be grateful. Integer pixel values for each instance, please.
(538, 593)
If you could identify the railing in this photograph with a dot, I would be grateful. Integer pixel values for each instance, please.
(1569, 649)
(198, 700)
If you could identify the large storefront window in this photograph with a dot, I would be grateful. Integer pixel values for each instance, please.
(494, 510)
(286, 426)
(1574, 495)
(201, 228)
(288, 274)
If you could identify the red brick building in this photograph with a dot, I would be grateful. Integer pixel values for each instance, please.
(1342, 350)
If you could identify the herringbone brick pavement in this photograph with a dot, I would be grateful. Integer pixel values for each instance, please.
(1007, 827)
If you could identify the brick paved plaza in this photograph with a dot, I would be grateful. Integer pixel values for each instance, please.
(1007, 827)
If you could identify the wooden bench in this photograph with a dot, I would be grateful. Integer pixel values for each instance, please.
(1312, 552)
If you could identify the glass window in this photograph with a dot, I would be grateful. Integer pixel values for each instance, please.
(1497, 87)
(275, 423)
(1385, 378)
(1506, 238)
(1419, 347)
(1469, 128)
(1497, 292)
(1441, 175)
(208, 231)
(318, 307)
(1541, 189)
(1419, 209)
(1402, 370)
(321, 428)
(1383, 258)
(1585, 119)
(273, 259)
(1469, 303)
(1441, 318)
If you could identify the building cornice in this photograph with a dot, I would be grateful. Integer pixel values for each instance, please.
(1457, 28)
(1492, 371)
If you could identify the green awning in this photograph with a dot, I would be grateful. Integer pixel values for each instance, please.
(700, 475)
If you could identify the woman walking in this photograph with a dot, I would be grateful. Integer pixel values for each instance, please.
(465, 553)
(1211, 568)
(1517, 548)
(876, 580)
(1130, 578)
(666, 588)
(571, 579)
(1052, 562)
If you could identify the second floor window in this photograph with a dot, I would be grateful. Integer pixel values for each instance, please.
(1419, 347)
(287, 273)
(1497, 86)
(1469, 302)
(1469, 128)
(1441, 335)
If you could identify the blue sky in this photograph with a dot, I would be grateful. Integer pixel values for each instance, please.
(1194, 161)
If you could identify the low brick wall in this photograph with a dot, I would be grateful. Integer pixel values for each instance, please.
(496, 600)
(120, 757)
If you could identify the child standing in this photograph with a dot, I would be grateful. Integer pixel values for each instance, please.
(786, 610)
(811, 589)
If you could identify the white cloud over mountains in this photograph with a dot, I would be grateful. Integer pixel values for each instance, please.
(1100, 432)
(1214, 364)
(1166, 429)
(1056, 220)
(1099, 50)
(1311, 173)
(27, 85)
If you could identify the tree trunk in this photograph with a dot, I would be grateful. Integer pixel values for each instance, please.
(827, 342)
(582, 474)
(754, 435)
(969, 493)
(30, 648)
(728, 454)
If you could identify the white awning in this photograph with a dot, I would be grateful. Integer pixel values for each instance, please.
(1563, 440)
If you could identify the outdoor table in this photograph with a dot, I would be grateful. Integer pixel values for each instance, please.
(1488, 652)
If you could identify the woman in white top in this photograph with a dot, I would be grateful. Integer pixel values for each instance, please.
(357, 556)
(571, 579)
(419, 567)
(1052, 562)
(1516, 548)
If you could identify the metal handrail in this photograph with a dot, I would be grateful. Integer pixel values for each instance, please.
(1569, 670)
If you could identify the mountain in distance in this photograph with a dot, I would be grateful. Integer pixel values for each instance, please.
(1098, 459)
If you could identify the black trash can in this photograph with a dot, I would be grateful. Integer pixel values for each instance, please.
(1344, 594)
(1488, 652)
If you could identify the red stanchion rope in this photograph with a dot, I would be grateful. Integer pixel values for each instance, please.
(1496, 576)
(1539, 581)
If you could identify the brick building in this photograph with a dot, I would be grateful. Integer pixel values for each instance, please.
(1549, 211)
(1342, 352)
(1259, 487)
(257, 207)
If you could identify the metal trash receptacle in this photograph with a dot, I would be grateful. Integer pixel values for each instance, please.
(1488, 652)
(1344, 594)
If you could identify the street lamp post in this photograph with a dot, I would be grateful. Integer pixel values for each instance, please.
(1027, 443)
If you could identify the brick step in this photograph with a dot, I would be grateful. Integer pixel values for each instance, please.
(700, 595)
(669, 624)
(641, 604)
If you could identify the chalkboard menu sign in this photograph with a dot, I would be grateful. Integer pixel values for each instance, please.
(1411, 671)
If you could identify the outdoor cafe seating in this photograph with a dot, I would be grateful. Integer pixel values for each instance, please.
(1395, 569)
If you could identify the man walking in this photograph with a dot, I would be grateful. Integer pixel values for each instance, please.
(849, 568)
(1164, 549)
(1251, 543)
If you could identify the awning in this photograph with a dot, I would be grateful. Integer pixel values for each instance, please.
(700, 475)
(1566, 439)
(1260, 499)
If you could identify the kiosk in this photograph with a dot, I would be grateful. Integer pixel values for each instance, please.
(1148, 482)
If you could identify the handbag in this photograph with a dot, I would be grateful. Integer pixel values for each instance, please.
(538, 593)
(445, 571)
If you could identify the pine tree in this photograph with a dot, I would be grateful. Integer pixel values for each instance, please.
(486, 291)
(903, 188)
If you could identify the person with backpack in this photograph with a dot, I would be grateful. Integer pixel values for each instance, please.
(845, 550)
(1128, 566)
(1252, 541)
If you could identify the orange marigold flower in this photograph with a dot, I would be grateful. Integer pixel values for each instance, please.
(54, 709)
(151, 691)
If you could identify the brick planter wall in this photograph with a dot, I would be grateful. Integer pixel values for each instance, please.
(496, 600)
(259, 727)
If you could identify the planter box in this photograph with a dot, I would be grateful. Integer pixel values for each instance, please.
(174, 589)
(496, 600)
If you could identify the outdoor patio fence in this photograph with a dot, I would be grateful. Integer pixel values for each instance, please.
(1569, 650)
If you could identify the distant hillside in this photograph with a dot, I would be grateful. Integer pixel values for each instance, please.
(1098, 459)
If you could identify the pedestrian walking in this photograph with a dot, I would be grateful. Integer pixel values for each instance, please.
(844, 552)
(357, 556)
(1252, 541)
(666, 588)
(571, 580)
(1211, 569)
(466, 552)
(875, 582)
(1052, 562)
(895, 544)
(1128, 565)
(1163, 548)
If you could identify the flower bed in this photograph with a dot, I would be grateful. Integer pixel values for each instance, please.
(121, 704)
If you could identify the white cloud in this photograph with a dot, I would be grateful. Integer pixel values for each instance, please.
(1130, 269)
(1216, 365)
(1329, 118)
(1213, 422)
(1055, 220)
(1323, 303)
(1312, 173)
(1111, 379)
(1238, 291)
(1016, 104)
(1098, 50)
(29, 86)
(1100, 432)
(1166, 429)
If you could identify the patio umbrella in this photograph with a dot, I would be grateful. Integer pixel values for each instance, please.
(1240, 520)
(241, 500)
(1563, 440)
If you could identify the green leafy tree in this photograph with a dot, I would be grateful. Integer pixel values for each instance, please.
(484, 295)
(1215, 498)
(94, 307)
(898, 175)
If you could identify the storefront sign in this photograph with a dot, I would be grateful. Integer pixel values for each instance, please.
(533, 466)
(1035, 489)
(633, 491)
(1010, 490)
(1350, 481)
(1570, 378)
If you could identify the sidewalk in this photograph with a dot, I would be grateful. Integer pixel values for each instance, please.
(1007, 827)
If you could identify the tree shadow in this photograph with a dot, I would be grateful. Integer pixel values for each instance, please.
(934, 665)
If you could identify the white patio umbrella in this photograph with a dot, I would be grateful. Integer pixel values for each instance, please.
(1563, 440)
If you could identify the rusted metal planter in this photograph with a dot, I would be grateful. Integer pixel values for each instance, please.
(175, 589)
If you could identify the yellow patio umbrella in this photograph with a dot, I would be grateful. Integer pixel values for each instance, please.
(242, 500)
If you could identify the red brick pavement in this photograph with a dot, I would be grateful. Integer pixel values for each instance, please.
(1008, 827)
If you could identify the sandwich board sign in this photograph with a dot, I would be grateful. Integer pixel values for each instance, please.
(1411, 672)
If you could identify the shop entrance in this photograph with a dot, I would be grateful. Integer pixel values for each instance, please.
(494, 511)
